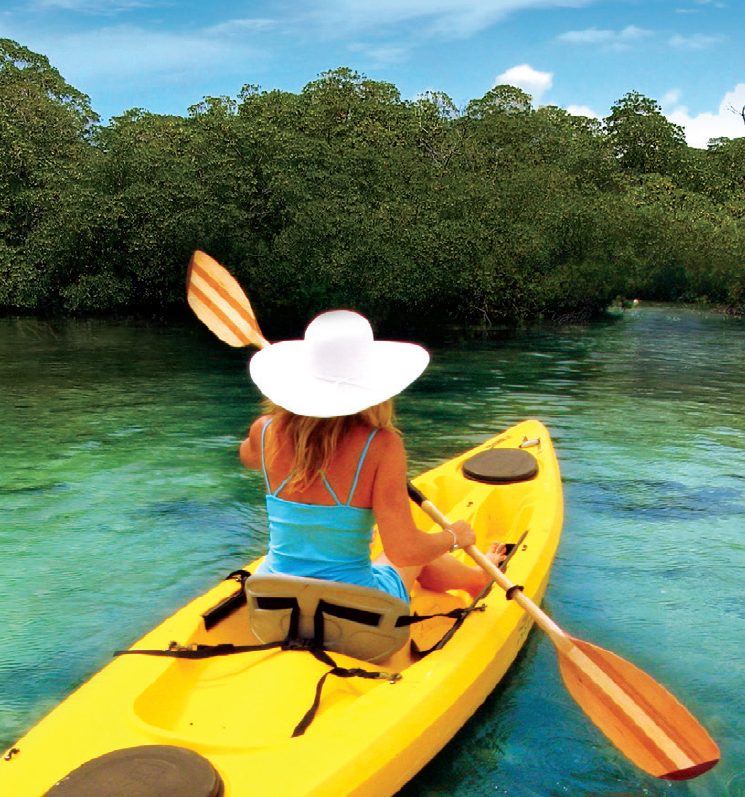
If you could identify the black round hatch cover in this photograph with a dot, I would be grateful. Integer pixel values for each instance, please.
(501, 466)
(148, 771)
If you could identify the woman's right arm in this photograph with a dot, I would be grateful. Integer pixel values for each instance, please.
(404, 544)
(250, 450)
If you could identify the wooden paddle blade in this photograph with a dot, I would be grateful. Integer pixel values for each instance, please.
(644, 721)
(220, 303)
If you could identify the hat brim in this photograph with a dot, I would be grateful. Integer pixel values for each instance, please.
(282, 372)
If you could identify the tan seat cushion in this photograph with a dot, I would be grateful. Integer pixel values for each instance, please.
(357, 621)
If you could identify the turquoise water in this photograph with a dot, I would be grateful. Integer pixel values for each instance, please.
(121, 496)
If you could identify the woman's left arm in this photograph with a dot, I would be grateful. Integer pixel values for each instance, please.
(403, 543)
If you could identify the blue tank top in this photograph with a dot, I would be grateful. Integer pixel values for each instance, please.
(328, 542)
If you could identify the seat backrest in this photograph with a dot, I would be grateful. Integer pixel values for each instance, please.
(356, 621)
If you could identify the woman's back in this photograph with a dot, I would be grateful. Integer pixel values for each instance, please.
(323, 529)
(354, 448)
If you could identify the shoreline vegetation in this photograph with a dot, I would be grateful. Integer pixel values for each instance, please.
(417, 213)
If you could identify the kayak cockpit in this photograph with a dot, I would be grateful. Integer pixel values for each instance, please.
(221, 699)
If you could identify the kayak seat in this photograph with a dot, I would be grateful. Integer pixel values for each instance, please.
(357, 621)
(501, 466)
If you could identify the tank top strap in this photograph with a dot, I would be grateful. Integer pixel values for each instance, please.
(263, 462)
(263, 465)
(359, 466)
(330, 489)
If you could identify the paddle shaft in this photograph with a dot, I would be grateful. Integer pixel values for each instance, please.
(559, 637)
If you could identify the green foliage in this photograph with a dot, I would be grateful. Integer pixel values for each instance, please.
(644, 141)
(414, 212)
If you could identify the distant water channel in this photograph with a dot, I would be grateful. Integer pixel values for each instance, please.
(121, 497)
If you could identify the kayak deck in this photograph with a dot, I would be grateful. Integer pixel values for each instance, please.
(369, 736)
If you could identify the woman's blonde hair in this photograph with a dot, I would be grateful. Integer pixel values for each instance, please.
(315, 440)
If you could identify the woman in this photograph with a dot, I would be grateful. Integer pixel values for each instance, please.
(334, 463)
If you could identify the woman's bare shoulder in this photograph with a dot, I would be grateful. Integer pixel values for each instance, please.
(250, 449)
(389, 437)
(260, 421)
(387, 444)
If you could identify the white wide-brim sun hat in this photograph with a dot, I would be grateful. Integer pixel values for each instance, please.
(338, 368)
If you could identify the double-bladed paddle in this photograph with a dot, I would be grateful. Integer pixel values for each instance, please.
(642, 719)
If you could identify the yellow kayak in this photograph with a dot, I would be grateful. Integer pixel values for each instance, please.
(222, 725)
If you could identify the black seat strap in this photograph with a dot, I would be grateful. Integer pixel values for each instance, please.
(272, 603)
(411, 619)
(227, 606)
(339, 672)
(175, 651)
(459, 615)
(324, 608)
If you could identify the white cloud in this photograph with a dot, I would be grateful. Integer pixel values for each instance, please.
(122, 52)
(699, 41)
(94, 6)
(528, 79)
(614, 39)
(704, 126)
(233, 27)
(381, 55)
(587, 36)
(450, 18)
(582, 110)
(711, 3)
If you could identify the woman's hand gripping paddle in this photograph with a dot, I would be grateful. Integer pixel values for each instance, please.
(219, 302)
(642, 719)
(645, 722)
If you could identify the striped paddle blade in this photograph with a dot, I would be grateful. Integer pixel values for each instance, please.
(220, 303)
(645, 722)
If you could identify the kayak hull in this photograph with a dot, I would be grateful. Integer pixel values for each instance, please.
(369, 737)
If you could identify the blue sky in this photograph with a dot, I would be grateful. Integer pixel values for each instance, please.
(583, 55)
